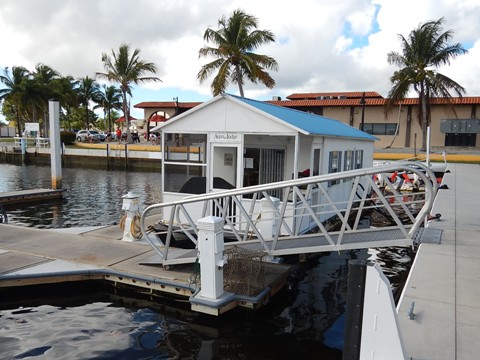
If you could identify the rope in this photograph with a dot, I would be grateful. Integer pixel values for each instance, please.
(135, 229)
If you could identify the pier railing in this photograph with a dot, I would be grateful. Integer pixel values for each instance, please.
(310, 217)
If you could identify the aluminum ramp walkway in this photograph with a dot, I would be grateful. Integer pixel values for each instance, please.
(254, 220)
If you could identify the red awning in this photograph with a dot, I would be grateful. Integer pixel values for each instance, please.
(157, 118)
(122, 119)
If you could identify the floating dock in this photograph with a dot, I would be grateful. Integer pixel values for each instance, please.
(444, 282)
(30, 256)
(34, 195)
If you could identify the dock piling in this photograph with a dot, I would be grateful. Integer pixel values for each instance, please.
(354, 314)
(56, 159)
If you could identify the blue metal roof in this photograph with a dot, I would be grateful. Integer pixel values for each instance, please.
(311, 123)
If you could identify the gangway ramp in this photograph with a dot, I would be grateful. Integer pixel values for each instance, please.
(302, 221)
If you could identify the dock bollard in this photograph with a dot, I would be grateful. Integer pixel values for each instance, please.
(131, 220)
(411, 314)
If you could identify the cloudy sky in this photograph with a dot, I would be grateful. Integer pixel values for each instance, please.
(321, 45)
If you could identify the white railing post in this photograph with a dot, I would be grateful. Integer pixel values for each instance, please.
(210, 248)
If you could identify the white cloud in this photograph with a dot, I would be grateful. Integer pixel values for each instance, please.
(313, 51)
(342, 44)
(361, 21)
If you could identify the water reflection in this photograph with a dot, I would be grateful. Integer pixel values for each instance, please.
(304, 321)
(87, 323)
(92, 197)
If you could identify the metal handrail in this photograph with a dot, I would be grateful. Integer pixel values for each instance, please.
(243, 225)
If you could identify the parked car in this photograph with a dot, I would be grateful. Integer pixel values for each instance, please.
(102, 134)
(89, 136)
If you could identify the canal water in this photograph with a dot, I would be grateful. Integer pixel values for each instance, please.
(86, 321)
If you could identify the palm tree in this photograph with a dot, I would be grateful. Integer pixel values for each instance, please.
(68, 88)
(126, 68)
(44, 87)
(13, 93)
(235, 40)
(426, 49)
(110, 99)
(88, 91)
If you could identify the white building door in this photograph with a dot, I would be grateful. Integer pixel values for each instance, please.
(224, 167)
(224, 174)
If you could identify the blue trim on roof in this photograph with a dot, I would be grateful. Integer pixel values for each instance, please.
(310, 123)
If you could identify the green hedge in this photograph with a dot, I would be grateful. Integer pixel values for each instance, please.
(67, 137)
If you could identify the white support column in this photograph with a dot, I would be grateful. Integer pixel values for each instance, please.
(270, 217)
(55, 146)
(210, 247)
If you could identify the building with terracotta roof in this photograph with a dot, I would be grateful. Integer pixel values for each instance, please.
(456, 126)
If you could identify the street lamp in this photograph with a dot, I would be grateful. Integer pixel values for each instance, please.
(176, 105)
(362, 102)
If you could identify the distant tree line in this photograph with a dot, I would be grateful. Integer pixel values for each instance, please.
(26, 94)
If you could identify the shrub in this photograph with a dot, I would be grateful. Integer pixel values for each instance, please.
(67, 137)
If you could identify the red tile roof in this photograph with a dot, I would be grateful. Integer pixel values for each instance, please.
(327, 102)
(165, 104)
(371, 102)
(299, 100)
(466, 100)
(335, 95)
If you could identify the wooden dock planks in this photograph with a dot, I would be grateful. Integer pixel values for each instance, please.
(31, 256)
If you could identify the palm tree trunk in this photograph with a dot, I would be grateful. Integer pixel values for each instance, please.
(19, 127)
(239, 80)
(125, 115)
(424, 118)
(45, 124)
(86, 117)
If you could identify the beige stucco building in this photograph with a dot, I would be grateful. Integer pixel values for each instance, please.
(399, 128)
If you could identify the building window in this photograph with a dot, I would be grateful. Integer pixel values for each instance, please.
(184, 157)
(316, 162)
(188, 148)
(177, 175)
(380, 128)
(348, 160)
(460, 140)
(334, 165)
(358, 159)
